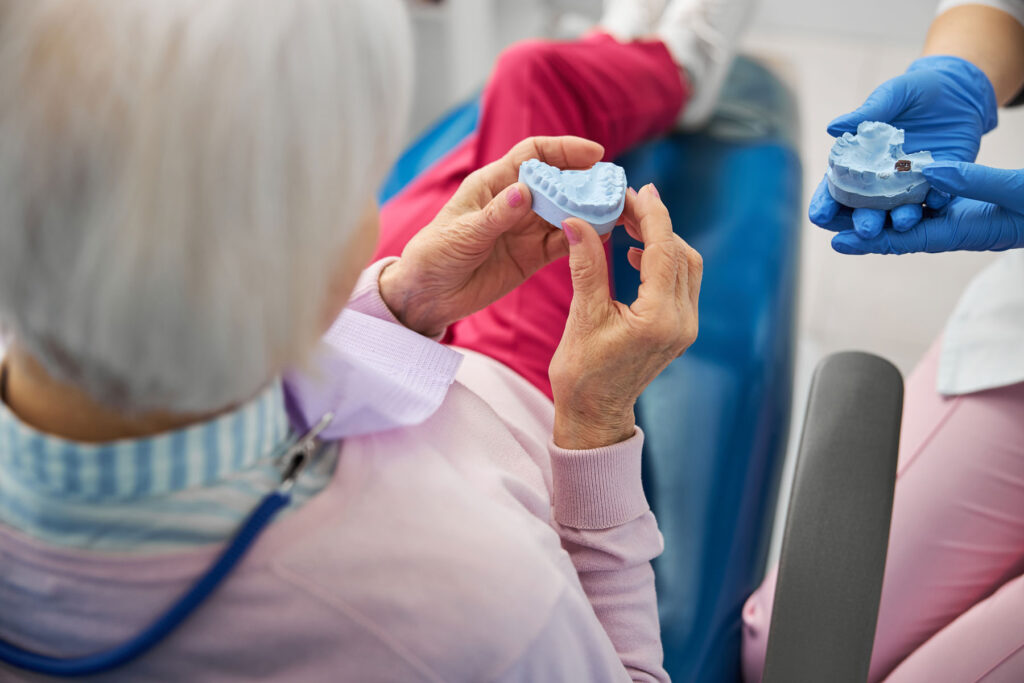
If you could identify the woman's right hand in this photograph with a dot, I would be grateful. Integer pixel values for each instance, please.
(609, 351)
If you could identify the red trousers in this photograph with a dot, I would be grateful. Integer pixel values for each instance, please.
(617, 94)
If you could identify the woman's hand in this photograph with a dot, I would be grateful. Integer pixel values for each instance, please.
(610, 352)
(484, 243)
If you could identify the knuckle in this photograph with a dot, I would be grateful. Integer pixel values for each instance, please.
(695, 260)
(689, 333)
(491, 214)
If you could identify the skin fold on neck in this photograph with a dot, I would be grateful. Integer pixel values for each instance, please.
(64, 411)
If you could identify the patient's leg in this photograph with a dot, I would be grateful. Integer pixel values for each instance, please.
(986, 643)
(617, 94)
(957, 527)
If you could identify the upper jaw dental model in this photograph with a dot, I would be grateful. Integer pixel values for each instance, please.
(596, 195)
(870, 169)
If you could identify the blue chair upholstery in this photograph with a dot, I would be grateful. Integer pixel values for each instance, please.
(716, 420)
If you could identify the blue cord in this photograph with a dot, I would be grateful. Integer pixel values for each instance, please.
(101, 662)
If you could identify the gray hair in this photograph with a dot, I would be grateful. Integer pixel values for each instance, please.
(179, 179)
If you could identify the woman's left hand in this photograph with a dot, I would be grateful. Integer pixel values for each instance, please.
(484, 243)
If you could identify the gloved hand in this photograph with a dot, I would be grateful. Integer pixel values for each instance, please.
(987, 215)
(944, 105)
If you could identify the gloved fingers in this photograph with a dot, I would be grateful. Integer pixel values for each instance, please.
(850, 243)
(843, 220)
(936, 199)
(868, 223)
(886, 242)
(999, 186)
(905, 217)
(884, 104)
(823, 207)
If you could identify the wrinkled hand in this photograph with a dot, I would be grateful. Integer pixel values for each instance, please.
(485, 241)
(986, 215)
(945, 105)
(609, 351)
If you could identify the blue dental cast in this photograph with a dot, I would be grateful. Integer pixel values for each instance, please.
(596, 195)
(871, 170)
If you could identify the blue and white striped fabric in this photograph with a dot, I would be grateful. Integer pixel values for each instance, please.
(168, 492)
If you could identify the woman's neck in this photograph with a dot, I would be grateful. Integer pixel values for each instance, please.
(65, 411)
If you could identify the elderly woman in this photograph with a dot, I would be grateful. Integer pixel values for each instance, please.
(185, 208)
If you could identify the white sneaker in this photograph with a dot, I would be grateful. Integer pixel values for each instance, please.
(702, 36)
(628, 20)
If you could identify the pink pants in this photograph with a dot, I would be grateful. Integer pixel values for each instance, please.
(952, 607)
(613, 93)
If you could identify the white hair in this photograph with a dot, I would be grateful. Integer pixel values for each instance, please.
(179, 180)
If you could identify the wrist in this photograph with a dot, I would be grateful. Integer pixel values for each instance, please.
(988, 38)
(970, 79)
(397, 297)
(580, 432)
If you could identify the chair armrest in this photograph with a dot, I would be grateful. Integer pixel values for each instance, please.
(837, 529)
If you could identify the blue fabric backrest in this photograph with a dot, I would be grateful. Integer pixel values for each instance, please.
(716, 420)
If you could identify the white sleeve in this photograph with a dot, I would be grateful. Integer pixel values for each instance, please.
(1014, 8)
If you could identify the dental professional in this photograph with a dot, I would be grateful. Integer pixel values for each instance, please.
(952, 605)
(186, 205)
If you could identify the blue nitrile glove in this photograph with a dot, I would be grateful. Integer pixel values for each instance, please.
(986, 215)
(944, 105)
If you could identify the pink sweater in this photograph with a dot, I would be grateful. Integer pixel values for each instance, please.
(467, 548)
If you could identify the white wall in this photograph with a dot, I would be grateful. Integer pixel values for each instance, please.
(898, 22)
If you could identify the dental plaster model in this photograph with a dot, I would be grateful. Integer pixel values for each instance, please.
(596, 195)
(870, 169)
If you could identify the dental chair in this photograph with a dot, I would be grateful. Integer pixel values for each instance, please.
(716, 419)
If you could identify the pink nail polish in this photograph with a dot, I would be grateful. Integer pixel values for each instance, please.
(515, 197)
(654, 191)
(632, 192)
(570, 233)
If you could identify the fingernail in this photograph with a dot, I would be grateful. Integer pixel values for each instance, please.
(654, 190)
(570, 233)
(515, 197)
(636, 250)
(631, 192)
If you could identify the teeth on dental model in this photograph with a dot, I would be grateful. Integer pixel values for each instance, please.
(596, 195)
(871, 170)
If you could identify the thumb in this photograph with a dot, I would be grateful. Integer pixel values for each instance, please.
(588, 265)
(884, 104)
(998, 186)
(506, 209)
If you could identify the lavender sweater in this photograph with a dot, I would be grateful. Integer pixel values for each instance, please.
(466, 548)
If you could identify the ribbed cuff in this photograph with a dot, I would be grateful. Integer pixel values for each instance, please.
(366, 295)
(598, 488)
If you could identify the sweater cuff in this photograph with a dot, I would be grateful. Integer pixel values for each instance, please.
(598, 488)
(366, 296)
